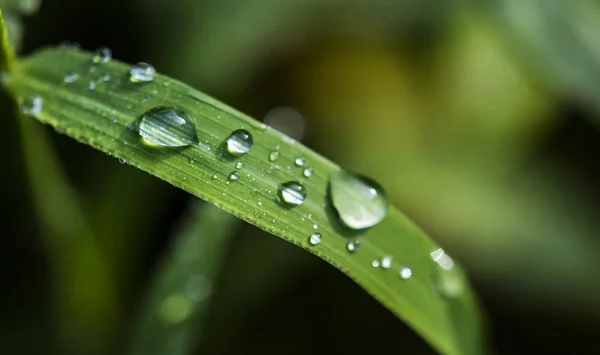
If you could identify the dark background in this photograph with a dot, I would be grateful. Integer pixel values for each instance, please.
(492, 150)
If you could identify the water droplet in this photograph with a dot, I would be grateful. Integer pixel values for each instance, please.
(299, 161)
(314, 238)
(259, 203)
(375, 263)
(102, 55)
(359, 201)
(405, 273)
(292, 193)
(315, 226)
(234, 176)
(175, 308)
(307, 172)
(214, 176)
(91, 85)
(71, 77)
(142, 73)
(32, 106)
(239, 142)
(239, 165)
(386, 262)
(164, 126)
(106, 77)
(274, 155)
(122, 161)
(442, 259)
(352, 246)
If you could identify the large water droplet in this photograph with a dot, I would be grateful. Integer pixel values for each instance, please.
(239, 142)
(273, 155)
(168, 127)
(359, 201)
(352, 246)
(142, 73)
(102, 55)
(405, 273)
(442, 259)
(314, 238)
(292, 193)
(32, 106)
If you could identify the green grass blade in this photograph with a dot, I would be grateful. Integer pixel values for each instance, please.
(170, 321)
(7, 55)
(101, 117)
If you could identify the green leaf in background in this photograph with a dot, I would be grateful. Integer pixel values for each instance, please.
(170, 318)
(97, 104)
(7, 57)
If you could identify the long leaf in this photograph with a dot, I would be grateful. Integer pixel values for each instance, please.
(102, 118)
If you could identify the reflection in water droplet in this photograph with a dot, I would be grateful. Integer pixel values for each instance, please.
(71, 77)
(299, 161)
(234, 176)
(292, 193)
(102, 55)
(405, 273)
(375, 263)
(142, 73)
(32, 106)
(175, 308)
(442, 259)
(273, 155)
(164, 126)
(352, 246)
(239, 142)
(359, 201)
(314, 238)
(307, 172)
(386, 262)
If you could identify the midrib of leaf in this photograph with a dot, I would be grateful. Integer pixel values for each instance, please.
(100, 118)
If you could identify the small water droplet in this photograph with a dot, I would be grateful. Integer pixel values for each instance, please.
(352, 246)
(32, 106)
(214, 176)
(239, 142)
(307, 172)
(259, 203)
(292, 193)
(239, 165)
(375, 263)
(175, 308)
(234, 176)
(142, 73)
(299, 161)
(442, 259)
(405, 273)
(314, 238)
(164, 126)
(359, 201)
(386, 262)
(71, 77)
(273, 155)
(315, 226)
(91, 85)
(102, 55)
(122, 161)
(106, 77)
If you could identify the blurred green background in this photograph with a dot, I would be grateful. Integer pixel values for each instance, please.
(479, 117)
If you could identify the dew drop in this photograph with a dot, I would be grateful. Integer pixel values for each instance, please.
(375, 263)
(122, 161)
(292, 193)
(314, 238)
(234, 176)
(239, 142)
(71, 77)
(239, 165)
(259, 203)
(308, 172)
(352, 246)
(142, 73)
(315, 226)
(214, 176)
(405, 273)
(102, 55)
(274, 155)
(91, 85)
(167, 127)
(299, 161)
(442, 259)
(32, 106)
(386, 262)
(359, 201)
(106, 78)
